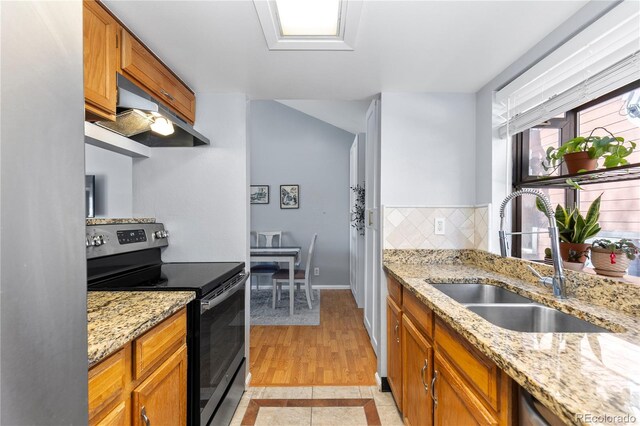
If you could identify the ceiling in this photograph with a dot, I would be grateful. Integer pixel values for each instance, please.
(402, 46)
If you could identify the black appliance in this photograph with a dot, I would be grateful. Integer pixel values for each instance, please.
(127, 257)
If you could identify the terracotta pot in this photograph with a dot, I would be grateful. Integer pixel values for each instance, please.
(601, 259)
(566, 247)
(577, 161)
(574, 266)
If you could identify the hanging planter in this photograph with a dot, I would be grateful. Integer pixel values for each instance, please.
(581, 154)
(612, 258)
(577, 161)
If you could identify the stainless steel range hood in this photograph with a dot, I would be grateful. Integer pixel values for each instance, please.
(137, 112)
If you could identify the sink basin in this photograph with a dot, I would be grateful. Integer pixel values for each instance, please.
(480, 293)
(533, 318)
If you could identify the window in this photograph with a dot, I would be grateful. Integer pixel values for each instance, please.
(619, 113)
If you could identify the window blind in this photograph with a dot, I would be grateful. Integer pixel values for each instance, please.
(602, 58)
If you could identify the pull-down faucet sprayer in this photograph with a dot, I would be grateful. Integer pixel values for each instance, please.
(557, 281)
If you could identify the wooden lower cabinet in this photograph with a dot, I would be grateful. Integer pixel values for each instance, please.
(445, 379)
(456, 404)
(394, 350)
(129, 389)
(417, 365)
(161, 398)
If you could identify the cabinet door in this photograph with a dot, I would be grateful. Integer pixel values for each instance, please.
(417, 360)
(394, 350)
(139, 64)
(115, 417)
(100, 91)
(162, 397)
(456, 403)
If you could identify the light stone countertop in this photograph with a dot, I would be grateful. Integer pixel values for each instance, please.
(111, 221)
(117, 317)
(573, 374)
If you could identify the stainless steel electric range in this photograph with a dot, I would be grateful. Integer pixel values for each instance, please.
(127, 257)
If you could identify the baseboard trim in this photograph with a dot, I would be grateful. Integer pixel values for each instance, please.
(378, 381)
(332, 287)
(247, 381)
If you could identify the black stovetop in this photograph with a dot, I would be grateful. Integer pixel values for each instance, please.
(199, 277)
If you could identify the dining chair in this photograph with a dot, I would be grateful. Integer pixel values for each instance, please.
(266, 239)
(300, 276)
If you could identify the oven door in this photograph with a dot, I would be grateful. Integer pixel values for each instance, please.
(222, 329)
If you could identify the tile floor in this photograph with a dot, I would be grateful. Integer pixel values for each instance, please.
(317, 405)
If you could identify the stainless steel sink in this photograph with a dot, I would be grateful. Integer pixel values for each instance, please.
(533, 318)
(480, 293)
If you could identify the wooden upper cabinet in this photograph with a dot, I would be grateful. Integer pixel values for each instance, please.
(417, 367)
(162, 397)
(100, 54)
(140, 65)
(394, 350)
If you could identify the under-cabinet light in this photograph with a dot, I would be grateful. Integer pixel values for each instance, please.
(162, 126)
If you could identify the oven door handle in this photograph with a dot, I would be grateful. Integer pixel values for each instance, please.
(206, 304)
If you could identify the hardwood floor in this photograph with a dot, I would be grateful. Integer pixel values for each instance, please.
(337, 352)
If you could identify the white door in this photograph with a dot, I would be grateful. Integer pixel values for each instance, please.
(372, 227)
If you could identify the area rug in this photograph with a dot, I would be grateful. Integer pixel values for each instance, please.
(263, 314)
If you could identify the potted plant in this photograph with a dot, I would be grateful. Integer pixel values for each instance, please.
(581, 154)
(612, 258)
(574, 229)
(575, 260)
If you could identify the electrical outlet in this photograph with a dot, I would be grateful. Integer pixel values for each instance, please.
(439, 226)
(316, 271)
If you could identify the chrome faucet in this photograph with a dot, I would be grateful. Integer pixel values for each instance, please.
(557, 281)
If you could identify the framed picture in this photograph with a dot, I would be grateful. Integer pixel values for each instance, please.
(259, 194)
(289, 196)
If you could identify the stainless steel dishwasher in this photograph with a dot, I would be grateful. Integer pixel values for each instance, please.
(533, 413)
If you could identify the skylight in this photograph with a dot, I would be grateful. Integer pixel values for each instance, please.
(309, 17)
(309, 24)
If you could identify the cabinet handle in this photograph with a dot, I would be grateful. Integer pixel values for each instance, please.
(433, 389)
(167, 94)
(396, 331)
(145, 419)
(422, 370)
(370, 218)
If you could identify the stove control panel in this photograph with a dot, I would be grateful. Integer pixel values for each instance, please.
(110, 239)
(133, 236)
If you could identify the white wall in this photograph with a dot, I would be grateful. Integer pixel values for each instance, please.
(428, 149)
(200, 193)
(289, 147)
(114, 181)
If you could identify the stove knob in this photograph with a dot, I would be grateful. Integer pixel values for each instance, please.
(165, 234)
(95, 241)
(158, 234)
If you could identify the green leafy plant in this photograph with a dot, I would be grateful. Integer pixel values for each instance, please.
(357, 214)
(572, 226)
(612, 148)
(625, 246)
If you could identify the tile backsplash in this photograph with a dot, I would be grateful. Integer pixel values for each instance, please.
(466, 227)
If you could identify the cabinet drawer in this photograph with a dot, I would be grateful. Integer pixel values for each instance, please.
(481, 373)
(395, 290)
(421, 315)
(157, 344)
(107, 381)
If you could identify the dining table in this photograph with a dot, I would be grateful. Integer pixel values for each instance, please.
(289, 255)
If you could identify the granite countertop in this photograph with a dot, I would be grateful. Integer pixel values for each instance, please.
(573, 374)
(117, 317)
(111, 221)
